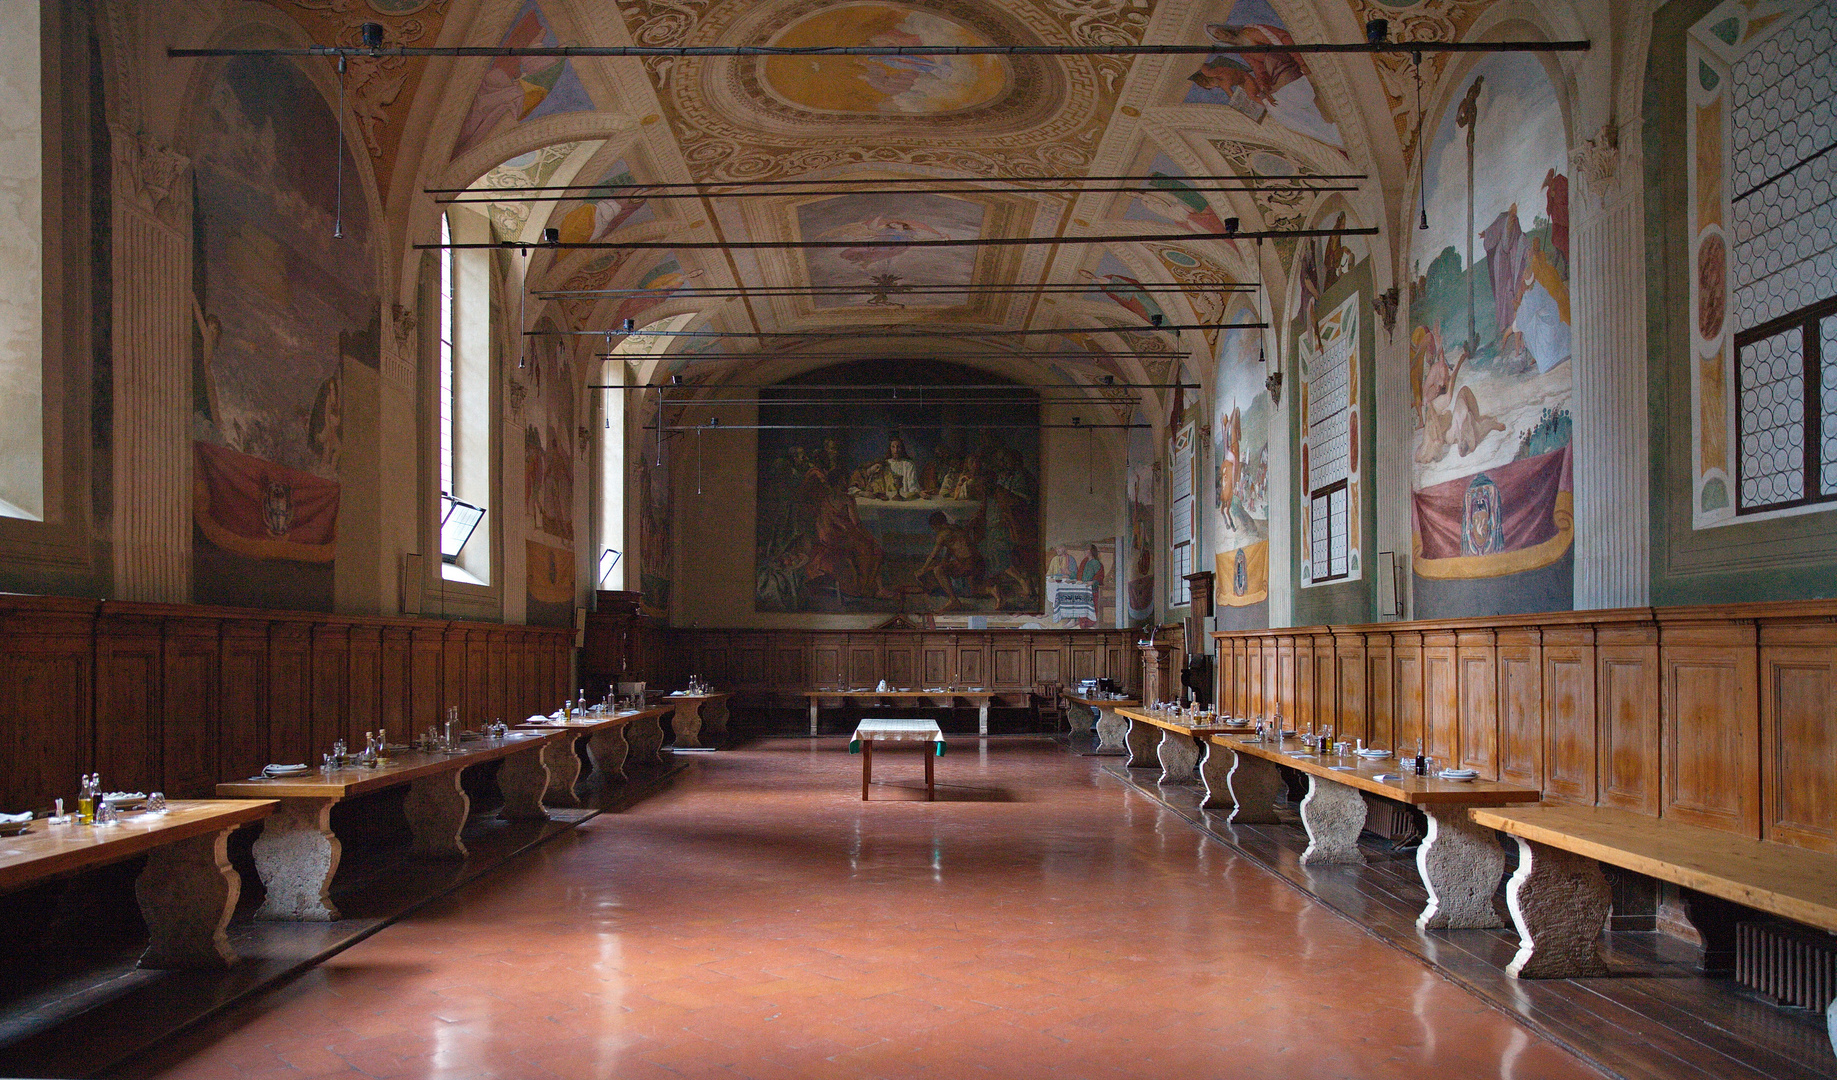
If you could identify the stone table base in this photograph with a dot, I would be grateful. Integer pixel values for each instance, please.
(295, 857)
(1112, 732)
(1254, 784)
(644, 737)
(564, 772)
(187, 893)
(1559, 903)
(436, 808)
(606, 753)
(1334, 815)
(699, 724)
(1461, 864)
(1215, 772)
(1081, 718)
(1142, 742)
(524, 780)
(1179, 756)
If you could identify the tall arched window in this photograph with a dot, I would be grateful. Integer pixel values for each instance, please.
(22, 264)
(463, 416)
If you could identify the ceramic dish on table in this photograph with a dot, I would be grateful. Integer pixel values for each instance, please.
(1375, 755)
(126, 800)
(1459, 775)
(14, 824)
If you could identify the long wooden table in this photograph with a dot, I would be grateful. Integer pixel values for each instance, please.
(609, 749)
(188, 890)
(1460, 863)
(937, 699)
(1179, 747)
(297, 852)
(1110, 726)
(700, 720)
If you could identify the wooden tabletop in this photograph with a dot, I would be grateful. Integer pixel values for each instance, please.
(1791, 882)
(402, 768)
(972, 694)
(1104, 703)
(1195, 730)
(697, 697)
(1362, 773)
(593, 721)
(49, 849)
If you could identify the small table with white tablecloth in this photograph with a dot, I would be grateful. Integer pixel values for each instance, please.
(869, 732)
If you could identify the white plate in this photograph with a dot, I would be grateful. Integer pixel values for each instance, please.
(1458, 774)
(1375, 753)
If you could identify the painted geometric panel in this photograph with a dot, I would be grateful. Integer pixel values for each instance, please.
(1771, 381)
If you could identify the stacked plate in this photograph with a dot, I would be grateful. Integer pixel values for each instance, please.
(1371, 752)
(284, 770)
(1459, 774)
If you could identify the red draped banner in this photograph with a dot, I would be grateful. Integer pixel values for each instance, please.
(265, 511)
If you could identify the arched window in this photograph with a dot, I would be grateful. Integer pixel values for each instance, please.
(22, 266)
(464, 413)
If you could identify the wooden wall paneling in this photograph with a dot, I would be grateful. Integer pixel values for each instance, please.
(395, 654)
(1352, 708)
(934, 662)
(750, 660)
(48, 677)
(1521, 706)
(426, 682)
(477, 705)
(972, 662)
(189, 680)
(497, 674)
(830, 671)
(1304, 708)
(1571, 717)
(1711, 735)
(1326, 682)
(791, 665)
(1007, 665)
(1627, 712)
(453, 671)
(1477, 669)
(1085, 660)
(242, 698)
(863, 662)
(290, 693)
(1441, 695)
(1119, 664)
(1380, 691)
(1410, 708)
(1051, 662)
(129, 708)
(902, 662)
(364, 700)
(1285, 704)
(331, 673)
(1798, 686)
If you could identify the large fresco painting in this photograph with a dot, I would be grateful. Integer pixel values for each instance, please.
(1115, 282)
(1173, 201)
(1140, 581)
(1241, 414)
(520, 88)
(656, 526)
(892, 222)
(546, 387)
(898, 85)
(1490, 351)
(602, 209)
(1080, 584)
(871, 505)
(280, 307)
(1269, 87)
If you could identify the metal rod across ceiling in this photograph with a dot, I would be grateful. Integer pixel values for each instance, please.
(953, 387)
(833, 358)
(976, 241)
(636, 188)
(902, 290)
(907, 427)
(886, 332)
(686, 51)
(490, 195)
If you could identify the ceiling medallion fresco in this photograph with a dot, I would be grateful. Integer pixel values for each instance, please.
(899, 85)
(751, 119)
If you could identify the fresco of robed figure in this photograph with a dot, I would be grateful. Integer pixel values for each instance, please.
(876, 505)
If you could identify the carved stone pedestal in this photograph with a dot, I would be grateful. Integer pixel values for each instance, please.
(700, 723)
(644, 738)
(1112, 732)
(295, 857)
(1461, 864)
(1254, 784)
(187, 893)
(1081, 718)
(1559, 903)
(1334, 814)
(524, 779)
(564, 772)
(1215, 772)
(606, 753)
(1143, 741)
(1179, 756)
(436, 808)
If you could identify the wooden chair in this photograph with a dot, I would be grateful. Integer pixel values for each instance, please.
(1049, 705)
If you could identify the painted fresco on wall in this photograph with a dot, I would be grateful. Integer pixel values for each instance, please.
(1490, 347)
(1173, 202)
(897, 85)
(1140, 584)
(1241, 415)
(659, 284)
(656, 526)
(546, 387)
(892, 222)
(1114, 281)
(603, 209)
(1269, 88)
(871, 506)
(1080, 589)
(280, 309)
(520, 88)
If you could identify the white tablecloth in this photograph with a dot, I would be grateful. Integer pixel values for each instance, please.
(897, 731)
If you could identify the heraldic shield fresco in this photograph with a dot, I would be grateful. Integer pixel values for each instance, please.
(1490, 351)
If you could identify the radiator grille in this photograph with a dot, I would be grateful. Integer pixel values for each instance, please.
(1790, 964)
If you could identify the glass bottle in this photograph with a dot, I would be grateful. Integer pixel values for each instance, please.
(86, 799)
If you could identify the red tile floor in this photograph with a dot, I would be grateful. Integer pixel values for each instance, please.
(759, 920)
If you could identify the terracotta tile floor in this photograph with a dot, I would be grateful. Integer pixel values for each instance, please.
(759, 920)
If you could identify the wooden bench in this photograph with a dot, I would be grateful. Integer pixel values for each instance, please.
(1559, 898)
(1176, 746)
(1461, 864)
(696, 714)
(297, 852)
(609, 737)
(1112, 729)
(187, 891)
(938, 699)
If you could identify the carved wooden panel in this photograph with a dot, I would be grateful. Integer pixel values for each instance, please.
(1408, 691)
(1048, 664)
(290, 693)
(1711, 711)
(1478, 742)
(1380, 692)
(129, 703)
(46, 714)
(1627, 703)
(1008, 666)
(902, 665)
(1120, 665)
(331, 674)
(364, 703)
(425, 683)
(497, 677)
(829, 673)
(863, 665)
(972, 666)
(1571, 768)
(1326, 705)
(1351, 707)
(242, 698)
(1521, 707)
(1441, 697)
(1798, 673)
(1086, 663)
(934, 664)
(453, 673)
(188, 738)
(477, 709)
(393, 697)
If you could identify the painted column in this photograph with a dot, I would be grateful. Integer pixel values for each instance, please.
(1612, 472)
(154, 318)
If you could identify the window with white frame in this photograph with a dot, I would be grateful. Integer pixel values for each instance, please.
(22, 335)
(463, 412)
